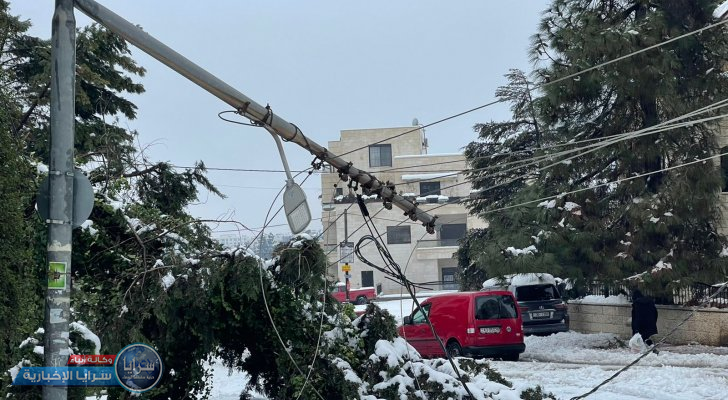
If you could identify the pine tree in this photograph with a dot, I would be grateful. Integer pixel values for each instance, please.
(20, 306)
(662, 226)
(111, 252)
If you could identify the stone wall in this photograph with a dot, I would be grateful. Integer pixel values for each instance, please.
(706, 327)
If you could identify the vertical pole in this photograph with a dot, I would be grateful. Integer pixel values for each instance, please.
(58, 295)
(346, 243)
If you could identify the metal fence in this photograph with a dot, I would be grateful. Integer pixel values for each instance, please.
(693, 295)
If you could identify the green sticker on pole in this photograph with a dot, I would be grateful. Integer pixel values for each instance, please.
(57, 275)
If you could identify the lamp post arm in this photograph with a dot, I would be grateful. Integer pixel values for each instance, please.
(247, 107)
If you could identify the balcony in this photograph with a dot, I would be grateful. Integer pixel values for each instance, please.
(437, 243)
(438, 249)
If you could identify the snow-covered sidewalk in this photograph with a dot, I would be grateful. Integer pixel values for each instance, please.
(570, 364)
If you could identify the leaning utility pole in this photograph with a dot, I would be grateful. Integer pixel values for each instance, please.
(249, 108)
(60, 175)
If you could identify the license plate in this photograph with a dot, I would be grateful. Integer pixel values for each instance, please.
(490, 329)
(540, 314)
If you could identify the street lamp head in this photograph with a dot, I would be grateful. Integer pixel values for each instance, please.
(296, 207)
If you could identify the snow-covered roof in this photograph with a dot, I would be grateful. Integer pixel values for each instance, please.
(414, 177)
(521, 280)
(721, 10)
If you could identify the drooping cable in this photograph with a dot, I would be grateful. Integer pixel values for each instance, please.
(267, 308)
(653, 348)
(549, 83)
(392, 268)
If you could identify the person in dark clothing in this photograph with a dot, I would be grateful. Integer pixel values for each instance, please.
(644, 316)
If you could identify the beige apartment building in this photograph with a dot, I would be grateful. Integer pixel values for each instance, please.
(435, 181)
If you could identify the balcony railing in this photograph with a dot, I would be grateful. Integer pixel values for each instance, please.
(437, 243)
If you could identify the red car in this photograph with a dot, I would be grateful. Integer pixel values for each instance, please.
(356, 296)
(477, 324)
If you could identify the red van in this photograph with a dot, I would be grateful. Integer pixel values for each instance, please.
(477, 324)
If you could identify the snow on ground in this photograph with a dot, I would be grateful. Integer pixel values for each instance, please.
(569, 364)
(227, 384)
(400, 305)
(594, 299)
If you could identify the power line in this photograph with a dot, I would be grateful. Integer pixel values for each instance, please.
(662, 127)
(316, 189)
(603, 142)
(560, 195)
(393, 271)
(608, 141)
(654, 348)
(549, 83)
(252, 229)
(426, 126)
(622, 137)
(239, 169)
(265, 300)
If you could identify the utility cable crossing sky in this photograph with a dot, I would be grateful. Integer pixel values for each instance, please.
(263, 116)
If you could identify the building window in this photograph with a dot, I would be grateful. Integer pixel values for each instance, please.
(398, 235)
(428, 188)
(449, 281)
(380, 155)
(724, 167)
(338, 191)
(451, 233)
(367, 278)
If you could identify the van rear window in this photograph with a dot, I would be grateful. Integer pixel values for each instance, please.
(495, 307)
(537, 292)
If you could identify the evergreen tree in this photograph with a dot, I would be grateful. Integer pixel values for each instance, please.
(138, 220)
(144, 270)
(662, 226)
(20, 306)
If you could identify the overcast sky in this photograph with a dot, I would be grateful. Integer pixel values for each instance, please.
(325, 66)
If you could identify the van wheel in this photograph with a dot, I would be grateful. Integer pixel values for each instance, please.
(454, 350)
(361, 300)
(511, 357)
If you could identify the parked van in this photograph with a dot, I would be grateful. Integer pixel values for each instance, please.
(477, 324)
(544, 312)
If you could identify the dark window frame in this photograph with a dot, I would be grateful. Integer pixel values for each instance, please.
(368, 274)
(504, 307)
(453, 230)
(540, 292)
(380, 163)
(395, 234)
(425, 191)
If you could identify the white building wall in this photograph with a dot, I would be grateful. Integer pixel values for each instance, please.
(423, 258)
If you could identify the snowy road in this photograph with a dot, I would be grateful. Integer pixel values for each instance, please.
(571, 364)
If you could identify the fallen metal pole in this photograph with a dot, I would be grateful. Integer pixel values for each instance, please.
(247, 107)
